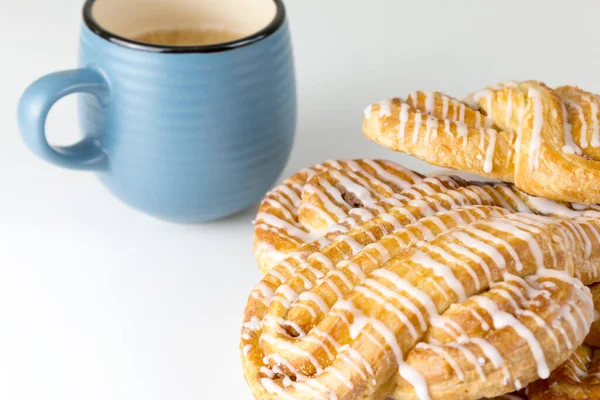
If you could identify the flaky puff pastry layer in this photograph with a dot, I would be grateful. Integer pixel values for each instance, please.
(438, 289)
(545, 141)
(579, 377)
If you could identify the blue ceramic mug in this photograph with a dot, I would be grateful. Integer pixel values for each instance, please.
(186, 133)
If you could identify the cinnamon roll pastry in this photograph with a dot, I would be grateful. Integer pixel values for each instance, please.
(457, 291)
(316, 205)
(545, 141)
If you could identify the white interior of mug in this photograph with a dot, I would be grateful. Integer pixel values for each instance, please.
(132, 18)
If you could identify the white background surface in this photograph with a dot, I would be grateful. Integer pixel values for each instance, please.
(98, 301)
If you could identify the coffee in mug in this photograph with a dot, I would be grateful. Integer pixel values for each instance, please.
(190, 106)
(187, 37)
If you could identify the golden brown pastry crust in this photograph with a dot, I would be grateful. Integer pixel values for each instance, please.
(545, 141)
(576, 379)
(336, 321)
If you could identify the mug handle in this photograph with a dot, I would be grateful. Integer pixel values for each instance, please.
(33, 110)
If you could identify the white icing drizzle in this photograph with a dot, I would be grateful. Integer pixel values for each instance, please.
(321, 258)
(287, 214)
(570, 147)
(414, 97)
(403, 119)
(447, 127)
(461, 117)
(536, 129)
(405, 286)
(449, 257)
(290, 229)
(595, 141)
(439, 350)
(462, 131)
(431, 125)
(263, 291)
(550, 207)
(342, 277)
(351, 242)
(309, 309)
(517, 204)
(366, 178)
(364, 192)
(287, 292)
(385, 108)
(416, 379)
(418, 122)
(269, 251)
(355, 269)
(489, 153)
(429, 102)
(385, 255)
(491, 353)
(404, 301)
(416, 178)
(489, 96)
(499, 242)
(273, 388)
(516, 228)
(333, 371)
(445, 108)
(388, 218)
(583, 142)
(327, 280)
(389, 177)
(354, 366)
(292, 349)
(455, 111)
(315, 298)
(388, 306)
(489, 250)
(502, 319)
(362, 214)
(477, 120)
(359, 358)
(330, 206)
(470, 357)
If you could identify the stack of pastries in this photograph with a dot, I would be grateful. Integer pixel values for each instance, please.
(380, 282)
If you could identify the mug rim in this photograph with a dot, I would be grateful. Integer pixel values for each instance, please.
(265, 32)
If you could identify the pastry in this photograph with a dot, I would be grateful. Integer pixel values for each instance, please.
(545, 141)
(448, 290)
(308, 210)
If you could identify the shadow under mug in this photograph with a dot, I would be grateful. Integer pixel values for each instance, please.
(186, 134)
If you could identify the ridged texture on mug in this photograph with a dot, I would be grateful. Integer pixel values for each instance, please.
(193, 137)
